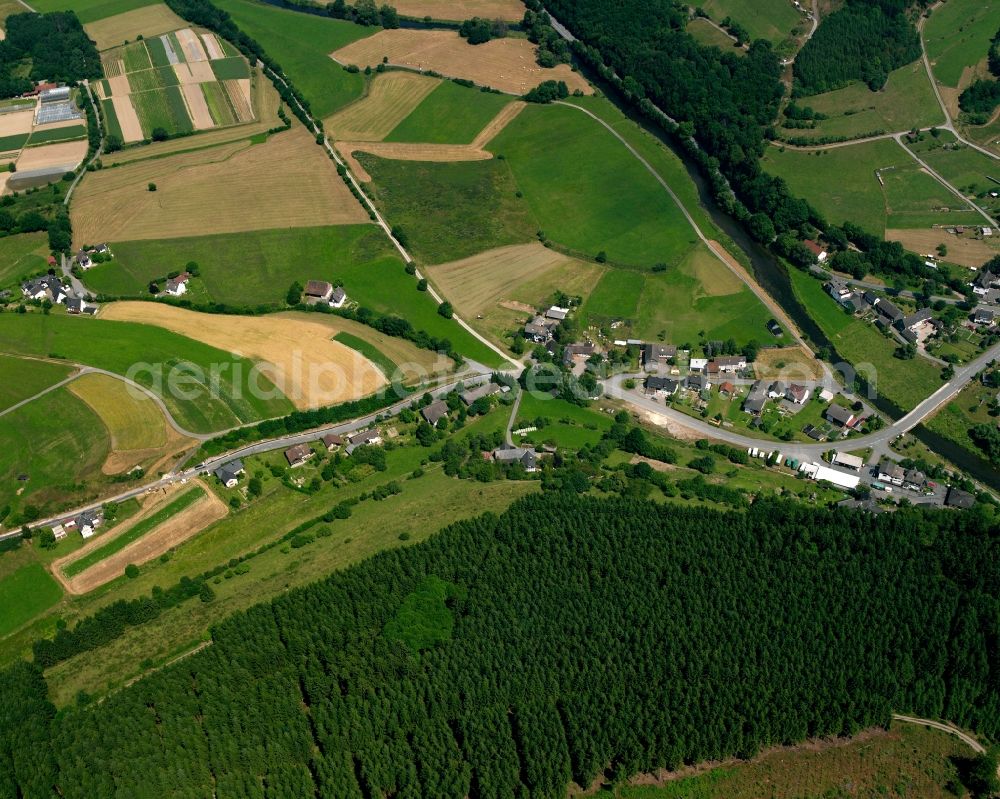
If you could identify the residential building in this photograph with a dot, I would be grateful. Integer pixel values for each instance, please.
(83, 260)
(697, 364)
(578, 351)
(957, 498)
(74, 305)
(727, 388)
(88, 522)
(984, 316)
(48, 287)
(915, 320)
(298, 455)
(656, 356)
(858, 304)
(556, 313)
(730, 363)
(985, 281)
(797, 394)
(434, 412)
(332, 441)
(891, 472)
(848, 461)
(914, 479)
(697, 382)
(840, 415)
(176, 286)
(777, 390)
(888, 311)
(538, 330)
(229, 473)
(366, 438)
(838, 291)
(816, 249)
(509, 455)
(756, 398)
(487, 389)
(666, 386)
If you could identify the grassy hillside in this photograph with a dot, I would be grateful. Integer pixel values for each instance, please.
(20, 378)
(451, 114)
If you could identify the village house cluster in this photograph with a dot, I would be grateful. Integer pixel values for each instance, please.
(50, 288)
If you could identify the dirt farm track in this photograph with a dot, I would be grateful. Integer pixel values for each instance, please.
(225, 189)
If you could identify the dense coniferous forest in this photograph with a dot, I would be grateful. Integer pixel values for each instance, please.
(865, 40)
(568, 637)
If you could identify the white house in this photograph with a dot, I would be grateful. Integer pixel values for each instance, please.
(338, 297)
(176, 286)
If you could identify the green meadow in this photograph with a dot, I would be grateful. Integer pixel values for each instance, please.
(21, 378)
(957, 35)
(906, 101)
(448, 211)
(22, 256)
(155, 354)
(269, 261)
(372, 353)
(24, 594)
(588, 192)
(563, 423)
(704, 32)
(773, 20)
(966, 169)
(451, 114)
(58, 443)
(699, 299)
(301, 44)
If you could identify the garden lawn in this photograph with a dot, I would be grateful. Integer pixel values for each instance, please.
(906, 101)
(957, 35)
(269, 261)
(301, 44)
(448, 211)
(905, 383)
(21, 378)
(451, 114)
(24, 594)
(588, 192)
(135, 532)
(152, 355)
(58, 458)
(566, 425)
(22, 256)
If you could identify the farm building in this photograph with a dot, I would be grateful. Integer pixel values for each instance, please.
(557, 313)
(318, 291)
(840, 415)
(655, 356)
(176, 286)
(849, 461)
(54, 94)
(338, 297)
(839, 479)
(508, 455)
(32, 178)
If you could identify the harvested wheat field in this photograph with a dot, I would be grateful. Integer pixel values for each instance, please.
(225, 189)
(442, 153)
(68, 154)
(201, 118)
(504, 64)
(148, 21)
(172, 533)
(299, 356)
(212, 46)
(128, 119)
(458, 10)
(962, 251)
(265, 100)
(390, 99)
(17, 122)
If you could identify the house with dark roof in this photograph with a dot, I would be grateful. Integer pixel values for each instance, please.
(338, 297)
(655, 356)
(985, 281)
(915, 320)
(730, 363)
(434, 412)
(777, 390)
(756, 399)
(697, 382)
(888, 311)
(580, 351)
(891, 472)
(510, 455)
(914, 479)
(88, 522)
(666, 386)
(48, 287)
(556, 313)
(365, 438)
(298, 455)
(956, 498)
(83, 260)
(74, 305)
(538, 330)
(229, 473)
(984, 316)
(317, 291)
(840, 415)
(797, 394)
(858, 304)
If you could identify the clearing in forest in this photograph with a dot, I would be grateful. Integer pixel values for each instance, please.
(505, 64)
(226, 189)
(298, 356)
(391, 97)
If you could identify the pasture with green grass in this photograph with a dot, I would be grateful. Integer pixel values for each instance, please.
(24, 594)
(58, 444)
(704, 32)
(372, 353)
(560, 422)
(21, 378)
(91, 10)
(906, 383)
(966, 169)
(588, 192)
(451, 114)
(302, 44)
(699, 299)
(153, 357)
(135, 532)
(448, 211)
(906, 101)
(774, 20)
(957, 35)
(22, 256)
